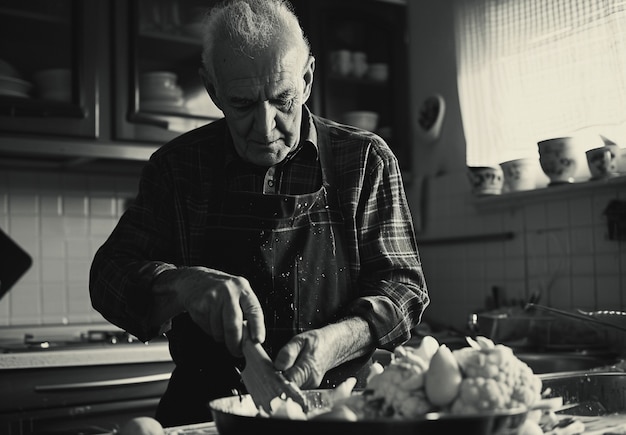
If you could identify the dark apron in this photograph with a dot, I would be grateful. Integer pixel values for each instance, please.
(291, 249)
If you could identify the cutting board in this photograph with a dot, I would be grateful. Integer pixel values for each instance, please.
(14, 262)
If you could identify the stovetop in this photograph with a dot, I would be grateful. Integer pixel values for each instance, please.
(41, 342)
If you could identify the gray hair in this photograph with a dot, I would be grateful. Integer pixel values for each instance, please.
(248, 26)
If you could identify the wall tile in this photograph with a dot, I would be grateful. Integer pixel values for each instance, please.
(53, 270)
(582, 240)
(105, 207)
(78, 248)
(584, 292)
(580, 213)
(75, 226)
(55, 307)
(535, 216)
(51, 205)
(21, 204)
(78, 270)
(75, 205)
(101, 226)
(557, 213)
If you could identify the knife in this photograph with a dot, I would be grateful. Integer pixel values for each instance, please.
(263, 381)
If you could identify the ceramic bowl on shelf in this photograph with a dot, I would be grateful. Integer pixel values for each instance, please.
(160, 86)
(603, 161)
(558, 159)
(364, 119)
(14, 87)
(485, 180)
(378, 72)
(519, 174)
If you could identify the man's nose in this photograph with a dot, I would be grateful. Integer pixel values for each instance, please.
(265, 118)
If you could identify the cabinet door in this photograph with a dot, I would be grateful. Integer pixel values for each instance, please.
(361, 64)
(159, 92)
(48, 73)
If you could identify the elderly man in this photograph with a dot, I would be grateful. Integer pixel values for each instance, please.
(271, 219)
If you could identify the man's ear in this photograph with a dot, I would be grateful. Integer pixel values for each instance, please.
(210, 87)
(308, 77)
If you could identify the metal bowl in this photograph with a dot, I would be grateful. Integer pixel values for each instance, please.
(236, 415)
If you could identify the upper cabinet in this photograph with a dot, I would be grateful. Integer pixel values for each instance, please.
(361, 66)
(118, 78)
(49, 75)
(159, 92)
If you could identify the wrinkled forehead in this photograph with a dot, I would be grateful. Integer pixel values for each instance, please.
(282, 56)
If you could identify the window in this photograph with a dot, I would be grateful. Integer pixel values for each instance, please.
(530, 70)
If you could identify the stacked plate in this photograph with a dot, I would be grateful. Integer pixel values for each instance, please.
(159, 91)
(11, 83)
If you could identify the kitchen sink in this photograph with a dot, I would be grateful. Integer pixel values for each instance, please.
(599, 393)
(553, 362)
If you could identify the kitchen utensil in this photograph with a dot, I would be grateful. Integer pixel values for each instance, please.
(238, 416)
(575, 315)
(263, 381)
(15, 262)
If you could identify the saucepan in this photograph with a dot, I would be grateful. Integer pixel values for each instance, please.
(237, 415)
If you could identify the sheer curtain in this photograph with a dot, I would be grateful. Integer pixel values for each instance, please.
(533, 69)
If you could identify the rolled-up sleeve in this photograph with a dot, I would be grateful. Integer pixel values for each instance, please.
(391, 284)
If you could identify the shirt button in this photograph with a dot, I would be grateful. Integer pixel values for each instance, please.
(270, 183)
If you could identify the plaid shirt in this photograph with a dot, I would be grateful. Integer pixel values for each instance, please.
(155, 234)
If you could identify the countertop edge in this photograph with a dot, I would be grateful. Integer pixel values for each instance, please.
(115, 354)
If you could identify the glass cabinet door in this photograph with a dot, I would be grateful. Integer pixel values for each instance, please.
(48, 76)
(159, 90)
(361, 55)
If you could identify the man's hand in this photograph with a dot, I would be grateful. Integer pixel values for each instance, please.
(307, 357)
(217, 302)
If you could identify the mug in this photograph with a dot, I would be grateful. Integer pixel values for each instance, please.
(558, 159)
(485, 180)
(603, 161)
(519, 174)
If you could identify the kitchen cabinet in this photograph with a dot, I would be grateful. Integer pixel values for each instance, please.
(156, 39)
(111, 48)
(49, 66)
(370, 32)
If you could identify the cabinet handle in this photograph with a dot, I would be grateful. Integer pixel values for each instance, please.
(103, 384)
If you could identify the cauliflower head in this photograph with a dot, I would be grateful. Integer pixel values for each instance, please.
(493, 379)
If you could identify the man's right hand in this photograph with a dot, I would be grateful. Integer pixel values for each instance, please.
(218, 302)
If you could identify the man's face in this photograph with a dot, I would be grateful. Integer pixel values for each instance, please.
(262, 100)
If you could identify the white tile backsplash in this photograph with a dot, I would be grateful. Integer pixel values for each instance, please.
(60, 219)
(560, 247)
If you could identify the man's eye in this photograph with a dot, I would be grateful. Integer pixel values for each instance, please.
(283, 103)
(241, 104)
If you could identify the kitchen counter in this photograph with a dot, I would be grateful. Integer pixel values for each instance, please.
(111, 354)
(75, 345)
